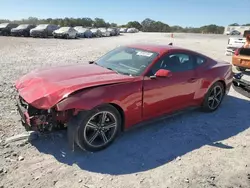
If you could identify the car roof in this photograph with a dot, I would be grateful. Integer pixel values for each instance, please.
(154, 47)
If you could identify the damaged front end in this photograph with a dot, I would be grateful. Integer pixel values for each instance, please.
(40, 119)
(240, 85)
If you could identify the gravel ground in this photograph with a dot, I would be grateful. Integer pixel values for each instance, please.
(189, 150)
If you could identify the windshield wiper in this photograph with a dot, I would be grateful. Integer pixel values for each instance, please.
(119, 72)
(92, 62)
(112, 70)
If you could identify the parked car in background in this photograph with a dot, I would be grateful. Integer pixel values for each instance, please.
(96, 32)
(83, 32)
(112, 31)
(5, 28)
(65, 32)
(132, 30)
(241, 84)
(233, 32)
(241, 59)
(105, 32)
(43, 30)
(127, 86)
(117, 31)
(22, 30)
(234, 43)
(123, 30)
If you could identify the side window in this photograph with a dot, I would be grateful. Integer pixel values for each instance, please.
(199, 61)
(178, 62)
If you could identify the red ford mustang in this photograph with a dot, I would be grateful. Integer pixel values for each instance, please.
(126, 86)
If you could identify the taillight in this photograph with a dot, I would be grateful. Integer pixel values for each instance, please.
(236, 52)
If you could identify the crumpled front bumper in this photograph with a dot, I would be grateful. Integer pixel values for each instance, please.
(25, 118)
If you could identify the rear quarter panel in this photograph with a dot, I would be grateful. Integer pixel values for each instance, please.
(210, 73)
(128, 96)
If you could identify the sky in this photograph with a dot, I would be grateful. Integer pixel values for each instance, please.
(188, 13)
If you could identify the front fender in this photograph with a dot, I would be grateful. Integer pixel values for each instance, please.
(127, 96)
(86, 99)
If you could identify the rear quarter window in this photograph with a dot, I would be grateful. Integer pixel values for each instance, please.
(199, 60)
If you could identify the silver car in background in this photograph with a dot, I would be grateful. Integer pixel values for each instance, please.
(65, 32)
(112, 31)
(83, 32)
(43, 30)
(96, 32)
(105, 32)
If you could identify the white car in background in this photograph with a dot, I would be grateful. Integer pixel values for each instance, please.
(123, 30)
(233, 32)
(233, 44)
(65, 32)
(132, 30)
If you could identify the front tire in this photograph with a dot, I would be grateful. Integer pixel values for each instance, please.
(213, 97)
(98, 128)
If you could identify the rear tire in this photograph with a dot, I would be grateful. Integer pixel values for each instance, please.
(213, 97)
(98, 128)
(241, 69)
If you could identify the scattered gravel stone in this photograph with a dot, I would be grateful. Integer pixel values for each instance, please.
(20, 158)
(178, 158)
(29, 136)
(80, 181)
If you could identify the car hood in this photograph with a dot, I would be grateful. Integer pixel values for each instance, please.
(60, 32)
(46, 87)
(37, 30)
(15, 29)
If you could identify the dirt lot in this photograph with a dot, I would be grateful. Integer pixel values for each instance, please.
(190, 150)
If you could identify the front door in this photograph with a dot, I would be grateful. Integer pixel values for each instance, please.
(167, 94)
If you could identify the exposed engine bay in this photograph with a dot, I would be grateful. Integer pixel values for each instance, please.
(41, 120)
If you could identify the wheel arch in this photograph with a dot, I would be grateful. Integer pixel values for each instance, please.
(223, 83)
(121, 112)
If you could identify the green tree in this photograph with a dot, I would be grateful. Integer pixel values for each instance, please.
(134, 24)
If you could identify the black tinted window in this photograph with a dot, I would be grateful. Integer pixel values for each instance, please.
(200, 60)
(178, 62)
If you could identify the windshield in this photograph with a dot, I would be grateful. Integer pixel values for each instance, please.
(42, 26)
(125, 60)
(24, 26)
(64, 29)
(3, 25)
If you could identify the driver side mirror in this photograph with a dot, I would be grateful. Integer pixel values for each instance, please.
(162, 73)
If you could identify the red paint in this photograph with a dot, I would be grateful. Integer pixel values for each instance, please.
(140, 98)
(163, 73)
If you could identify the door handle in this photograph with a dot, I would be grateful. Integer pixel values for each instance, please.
(192, 80)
